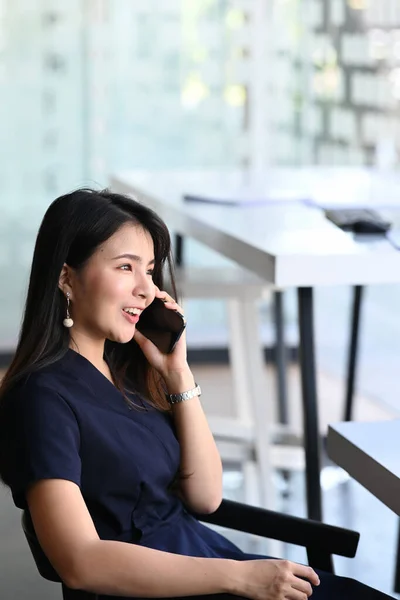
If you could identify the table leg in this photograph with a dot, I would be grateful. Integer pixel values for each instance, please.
(178, 249)
(310, 408)
(280, 358)
(353, 350)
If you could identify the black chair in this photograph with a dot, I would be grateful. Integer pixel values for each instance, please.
(320, 540)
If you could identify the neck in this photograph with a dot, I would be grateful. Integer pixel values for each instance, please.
(92, 350)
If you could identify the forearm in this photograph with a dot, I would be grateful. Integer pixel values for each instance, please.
(118, 568)
(200, 461)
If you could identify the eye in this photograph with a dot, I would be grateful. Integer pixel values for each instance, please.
(150, 272)
(126, 268)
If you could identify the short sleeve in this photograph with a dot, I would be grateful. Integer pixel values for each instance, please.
(43, 440)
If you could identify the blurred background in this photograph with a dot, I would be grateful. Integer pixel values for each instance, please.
(91, 87)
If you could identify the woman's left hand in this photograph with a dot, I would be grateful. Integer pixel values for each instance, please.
(166, 364)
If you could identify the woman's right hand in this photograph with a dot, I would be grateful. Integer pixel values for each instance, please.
(270, 579)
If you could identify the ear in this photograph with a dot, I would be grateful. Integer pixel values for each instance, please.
(65, 279)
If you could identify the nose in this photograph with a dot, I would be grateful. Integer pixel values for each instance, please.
(144, 287)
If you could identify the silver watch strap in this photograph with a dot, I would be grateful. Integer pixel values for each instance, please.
(175, 398)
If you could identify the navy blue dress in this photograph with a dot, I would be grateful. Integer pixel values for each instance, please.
(69, 422)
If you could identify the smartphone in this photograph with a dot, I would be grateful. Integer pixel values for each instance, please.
(161, 325)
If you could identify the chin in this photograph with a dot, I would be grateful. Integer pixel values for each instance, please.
(121, 338)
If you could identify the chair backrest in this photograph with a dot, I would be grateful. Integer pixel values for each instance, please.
(43, 564)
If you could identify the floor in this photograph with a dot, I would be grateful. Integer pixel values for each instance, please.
(345, 503)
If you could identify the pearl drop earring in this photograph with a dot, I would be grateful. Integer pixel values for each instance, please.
(68, 322)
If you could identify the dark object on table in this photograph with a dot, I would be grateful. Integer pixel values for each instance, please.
(358, 220)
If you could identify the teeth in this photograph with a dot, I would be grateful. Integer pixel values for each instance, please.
(132, 311)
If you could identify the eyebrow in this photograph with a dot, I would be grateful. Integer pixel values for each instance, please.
(133, 257)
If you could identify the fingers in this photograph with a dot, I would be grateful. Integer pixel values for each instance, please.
(170, 302)
(302, 586)
(296, 595)
(141, 339)
(306, 572)
(164, 296)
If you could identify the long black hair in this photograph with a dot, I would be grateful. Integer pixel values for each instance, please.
(73, 227)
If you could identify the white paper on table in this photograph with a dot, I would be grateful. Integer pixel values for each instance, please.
(326, 188)
(394, 238)
(356, 190)
(247, 198)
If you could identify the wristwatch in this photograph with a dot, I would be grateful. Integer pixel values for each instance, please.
(176, 398)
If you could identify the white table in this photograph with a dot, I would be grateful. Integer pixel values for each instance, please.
(287, 244)
(369, 453)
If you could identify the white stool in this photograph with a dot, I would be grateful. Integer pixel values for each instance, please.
(247, 437)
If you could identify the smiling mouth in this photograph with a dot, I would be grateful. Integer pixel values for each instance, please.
(133, 318)
(132, 311)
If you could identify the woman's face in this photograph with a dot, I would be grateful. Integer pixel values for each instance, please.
(116, 279)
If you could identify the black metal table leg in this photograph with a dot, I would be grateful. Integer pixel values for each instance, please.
(310, 408)
(178, 249)
(353, 350)
(280, 358)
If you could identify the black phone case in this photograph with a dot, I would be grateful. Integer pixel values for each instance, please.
(161, 325)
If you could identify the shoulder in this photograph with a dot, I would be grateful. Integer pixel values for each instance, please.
(59, 379)
(42, 391)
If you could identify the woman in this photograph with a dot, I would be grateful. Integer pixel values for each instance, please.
(90, 442)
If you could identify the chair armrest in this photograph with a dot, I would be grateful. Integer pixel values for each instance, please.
(293, 530)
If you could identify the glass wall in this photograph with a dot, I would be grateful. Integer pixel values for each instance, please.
(337, 84)
(42, 132)
(91, 86)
